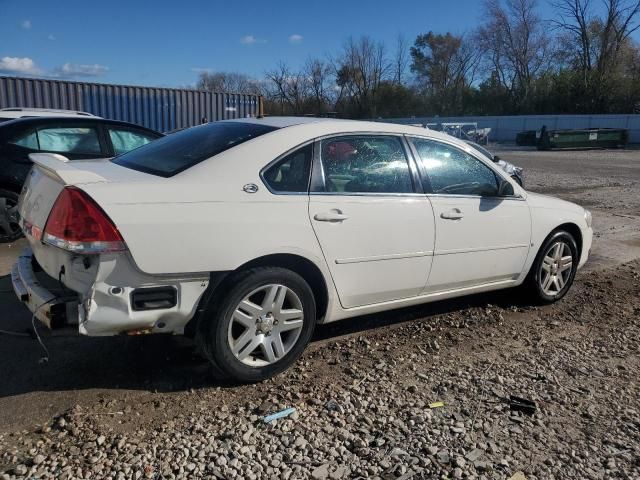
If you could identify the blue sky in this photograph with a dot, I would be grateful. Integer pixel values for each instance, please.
(164, 43)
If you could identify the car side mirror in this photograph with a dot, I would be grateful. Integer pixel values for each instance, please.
(496, 158)
(505, 189)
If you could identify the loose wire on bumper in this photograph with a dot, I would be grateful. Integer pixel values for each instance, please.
(35, 330)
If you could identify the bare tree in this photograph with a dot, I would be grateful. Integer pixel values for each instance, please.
(290, 89)
(516, 45)
(401, 59)
(360, 69)
(444, 66)
(597, 40)
(318, 75)
(228, 82)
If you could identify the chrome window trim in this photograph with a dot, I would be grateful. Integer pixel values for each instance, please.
(369, 194)
(493, 197)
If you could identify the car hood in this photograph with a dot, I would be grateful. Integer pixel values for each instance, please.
(537, 200)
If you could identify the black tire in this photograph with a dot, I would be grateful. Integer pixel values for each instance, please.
(533, 284)
(9, 231)
(213, 328)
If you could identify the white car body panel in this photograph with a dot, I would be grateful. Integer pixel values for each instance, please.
(339, 313)
(547, 213)
(367, 265)
(495, 251)
(102, 312)
(392, 251)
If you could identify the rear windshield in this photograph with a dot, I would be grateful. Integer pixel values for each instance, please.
(179, 151)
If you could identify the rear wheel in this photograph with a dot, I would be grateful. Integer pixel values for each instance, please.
(259, 325)
(9, 228)
(554, 269)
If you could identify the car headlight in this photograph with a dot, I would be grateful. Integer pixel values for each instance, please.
(588, 217)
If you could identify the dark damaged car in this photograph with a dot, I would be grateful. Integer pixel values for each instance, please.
(77, 138)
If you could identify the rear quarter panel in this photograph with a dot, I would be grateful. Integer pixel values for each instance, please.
(202, 220)
(203, 234)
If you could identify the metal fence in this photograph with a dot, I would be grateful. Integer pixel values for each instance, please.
(161, 109)
(504, 129)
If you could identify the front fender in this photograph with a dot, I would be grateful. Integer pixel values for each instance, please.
(547, 218)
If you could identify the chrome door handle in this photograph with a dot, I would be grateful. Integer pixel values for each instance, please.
(454, 214)
(330, 216)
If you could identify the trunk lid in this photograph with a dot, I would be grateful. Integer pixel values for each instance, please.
(52, 172)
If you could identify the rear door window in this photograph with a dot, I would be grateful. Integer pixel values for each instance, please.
(76, 140)
(179, 151)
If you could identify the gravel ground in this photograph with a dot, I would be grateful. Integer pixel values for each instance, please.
(146, 408)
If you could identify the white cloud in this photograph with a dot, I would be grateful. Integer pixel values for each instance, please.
(51, 37)
(81, 70)
(26, 24)
(23, 65)
(26, 66)
(250, 40)
(295, 38)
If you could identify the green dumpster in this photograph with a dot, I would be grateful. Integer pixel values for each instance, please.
(583, 138)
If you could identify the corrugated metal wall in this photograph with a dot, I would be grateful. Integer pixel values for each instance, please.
(504, 129)
(161, 109)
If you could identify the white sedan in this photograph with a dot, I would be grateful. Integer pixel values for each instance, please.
(246, 233)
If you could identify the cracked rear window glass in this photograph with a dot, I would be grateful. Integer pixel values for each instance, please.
(179, 151)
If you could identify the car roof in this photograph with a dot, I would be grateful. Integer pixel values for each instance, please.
(290, 133)
(343, 125)
(18, 112)
(36, 121)
(281, 122)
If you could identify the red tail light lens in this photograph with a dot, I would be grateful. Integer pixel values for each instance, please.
(76, 223)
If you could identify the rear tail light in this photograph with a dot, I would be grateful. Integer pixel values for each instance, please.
(76, 223)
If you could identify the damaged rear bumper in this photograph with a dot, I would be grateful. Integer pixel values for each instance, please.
(105, 294)
(53, 310)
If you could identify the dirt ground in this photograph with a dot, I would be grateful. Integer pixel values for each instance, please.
(578, 359)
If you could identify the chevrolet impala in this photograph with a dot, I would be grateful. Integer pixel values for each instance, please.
(247, 233)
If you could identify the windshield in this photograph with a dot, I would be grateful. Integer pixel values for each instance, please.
(177, 152)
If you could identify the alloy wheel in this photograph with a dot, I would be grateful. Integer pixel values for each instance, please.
(265, 325)
(556, 268)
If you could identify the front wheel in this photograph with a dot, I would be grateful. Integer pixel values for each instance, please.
(259, 325)
(554, 268)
